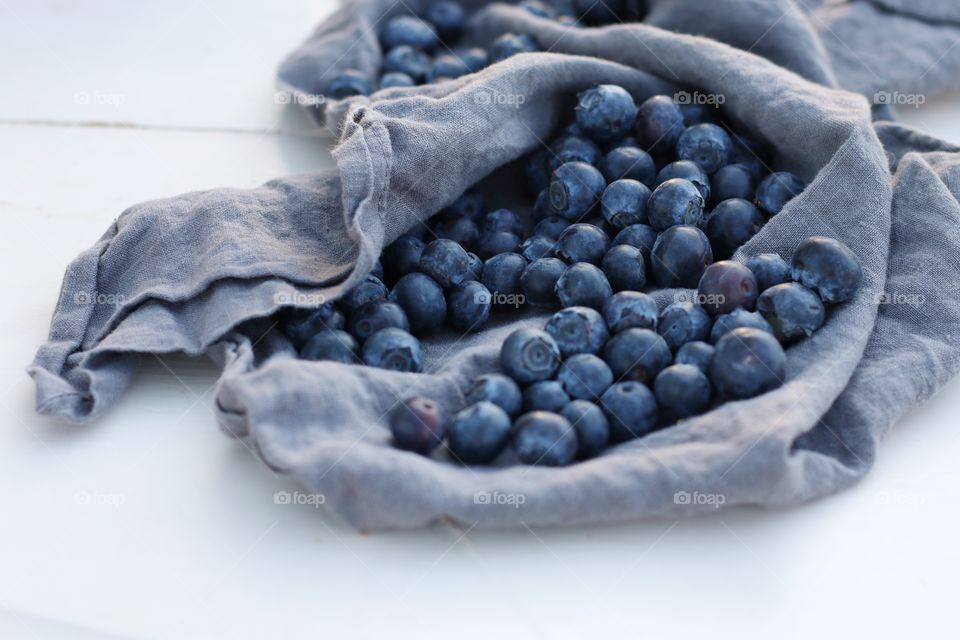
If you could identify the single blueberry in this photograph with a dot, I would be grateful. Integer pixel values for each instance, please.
(418, 425)
(544, 438)
(446, 262)
(581, 242)
(689, 171)
(546, 395)
(393, 349)
(737, 318)
(659, 124)
(625, 268)
(501, 275)
(792, 310)
(746, 363)
(475, 58)
(349, 83)
(731, 225)
(683, 322)
(551, 227)
(498, 389)
(696, 353)
(335, 345)
(402, 256)
(637, 354)
(624, 202)
(536, 247)
(606, 112)
(510, 44)
(769, 269)
(497, 242)
(674, 202)
(575, 188)
(422, 300)
(448, 19)
(630, 310)
(583, 285)
(641, 236)
(459, 229)
(370, 288)
(306, 323)
(471, 204)
(706, 144)
(733, 181)
(578, 330)
(828, 267)
(408, 60)
(776, 190)
(573, 148)
(631, 410)
(468, 306)
(680, 256)
(529, 356)
(502, 220)
(726, 285)
(446, 67)
(479, 433)
(367, 319)
(539, 281)
(628, 163)
(682, 390)
(584, 376)
(408, 30)
(393, 79)
(591, 425)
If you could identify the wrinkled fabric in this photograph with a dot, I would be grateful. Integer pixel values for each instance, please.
(206, 272)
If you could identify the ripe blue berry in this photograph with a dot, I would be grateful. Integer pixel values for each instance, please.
(448, 19)
(776, 190)
(551, 227)
(470, 204)
(529, 356)
(536, 247)
(746, 363)
(682, 390)
(498, 389)
(706, 144)
(637, 354)
(584, 376)
(628, 163)
(370, 288)
(502, 220)
(510, 44)
(696, 353)
(408, 60)
(335, 345)
(393, 349)
(422, 300)
(624, 202)
(828, 267)
(689, 171)
(578, 330)
(769, 269)
(659, 123)
(792, 310)
(680, 256)
(446, 67)
(606, 112)
(591, 425)
(468, 306)
(479, 433)
(630, 310)
(545, 438)
(408, 30)
(733, 181)
(501, 275)
(573, 148)
(575, 188)
(582, 242)
(376, 315)
(393, 79)
(446, 262)
(349, 83)
(674, 202)
(402, 256)
(547, 395)
(641, 236)
(539, 281)
(475, 58)
(631, 410)
(583, 285)
(625, 268)
(731, 225)
(737, 318)
(683, 322)
(461, 230)
(306, 323)
(497, 242)
(417, 424)
(726, 285)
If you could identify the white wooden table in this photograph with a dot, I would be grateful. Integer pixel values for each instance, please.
(150, 523)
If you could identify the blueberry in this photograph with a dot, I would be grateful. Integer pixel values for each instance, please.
(393, 79)
(628, 163)
(402, 256)
(682, 390)
(469, 205)
(393, 349)
(408, 60)
(551, 227)
(536, 247)
(590, 423)
(497, 242)
(422, 300)
(575, 188)
(529, 356)
(544, 438)
(746, 363)
(539, 280)
(573, 148)
(475, 58)
(776, 190)
(547, 395)
(637, 354)
(659, 123)
(476, 266)
(370, 288)
(578, 330)
(792, 310)
(498, 389)
(706, 144)
(683, 322)
(417, 424)
(510, 44)
(408, 30)
(737, 318)
(584, 376)
(583, 285)
(501, 275)
(306, 323)
(448, 19)
(334, 344)
(630, 310)
(731, 224)
(674, 202)
(689, 171)
(631, 410)
(624, 202)
(828, 267)
(479, 433)
(733, 181)
(375, 315)
(349, 83)
(680, 256)
(468, 306)
(606, 112)
(641, 236)
(582, 242)
(459, 229)
(447, 67)
(726, 285)
(769, 269)
(446, 262)
(502, 220)
(625, 268)
(696, 353)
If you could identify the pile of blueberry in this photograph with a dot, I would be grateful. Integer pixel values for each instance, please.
(675, 189)
(426, 49)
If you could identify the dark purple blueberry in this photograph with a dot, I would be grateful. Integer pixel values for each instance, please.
(536, 247)
(423, 301)
(659, 124)
(306, 323)
(726, 285)
(479, 433)
(501, 275)
(497, 242)
(402, 256)
(696, 353)
(680, 256)
(689, 171)
(393, 349)
(575, 189)
(446, 262)
(584, 376)
(539, 281)
(468, 306)
(746, 363)
(731, 225)
(418, 425)
(502, 220)
(606, 112)
(641, 236)
(706, 144)
(733, 181)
